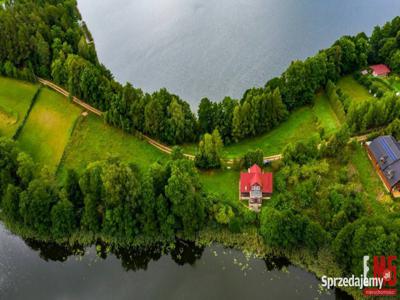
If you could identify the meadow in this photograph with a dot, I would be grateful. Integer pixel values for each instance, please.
(300, 125)
(94, 140)
(48, 128)
(353, 89)
(15, 98)
(57, 135)
(223, 182)
(375, 191)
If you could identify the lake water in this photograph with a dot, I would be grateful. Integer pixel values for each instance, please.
(213, 48)
(195, 48)
(31, 270)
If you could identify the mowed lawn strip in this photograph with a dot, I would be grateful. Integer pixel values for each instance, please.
(48, 128)
(353, 89)
(94, 140)
(373, 186)
(15, 99)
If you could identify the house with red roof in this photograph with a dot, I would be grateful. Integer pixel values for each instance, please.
(380, 70)
(255, 186)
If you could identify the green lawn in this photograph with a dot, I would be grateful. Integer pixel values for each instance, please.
(373, 186)
(48, 128)
(93, 140)
(224, 182)
(300, 125)
(15, 99)
(393, 81)
(353, 89)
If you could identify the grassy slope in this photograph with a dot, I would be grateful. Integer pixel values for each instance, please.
(294, 129)
(93, 140)
(299, 126)
(370, 180)
(48, 128)
(353, 89)
(15, 98)
(326, 116)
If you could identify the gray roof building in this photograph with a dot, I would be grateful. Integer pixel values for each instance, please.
(385, 152)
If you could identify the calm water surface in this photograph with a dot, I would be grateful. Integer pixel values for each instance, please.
(214, 48)
(31, 270)
(195, 48)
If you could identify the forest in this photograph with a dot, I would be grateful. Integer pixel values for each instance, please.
(50, 40)
(320, 204)
(111, 199)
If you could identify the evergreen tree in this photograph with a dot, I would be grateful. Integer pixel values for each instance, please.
(63, 219)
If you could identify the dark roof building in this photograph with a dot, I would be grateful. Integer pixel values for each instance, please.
(384, 152)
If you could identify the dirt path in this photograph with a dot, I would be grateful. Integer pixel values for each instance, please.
(154, 143)
(74, 99)
(97, 112)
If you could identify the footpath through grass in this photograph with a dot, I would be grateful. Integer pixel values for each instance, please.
(353, 89)
(48, 128)
(94, 140)
(15, 99)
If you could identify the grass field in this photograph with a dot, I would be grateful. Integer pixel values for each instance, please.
(326, 116)
(373, 186)
(15, 99)
(300, 125)
(93, 140)
(225, 182)
(353, 89)
(48, 128)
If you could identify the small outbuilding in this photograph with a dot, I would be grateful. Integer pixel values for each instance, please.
(255, 186)
(380, 70)
(384, 152)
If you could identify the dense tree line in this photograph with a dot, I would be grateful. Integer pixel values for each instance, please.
(320, 206)
(49, 39)
(259, 111)
(373, 113)
(111, 199)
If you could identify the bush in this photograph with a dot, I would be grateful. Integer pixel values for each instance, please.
(252, 157)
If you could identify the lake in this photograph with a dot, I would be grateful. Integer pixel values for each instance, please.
(199, 48)
(32, 270)
(195, 48)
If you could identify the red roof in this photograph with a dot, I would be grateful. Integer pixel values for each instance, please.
(380, 70)
(255, 169)
(253, 177)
